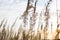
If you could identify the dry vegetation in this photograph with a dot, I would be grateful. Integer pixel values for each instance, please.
(41, 34)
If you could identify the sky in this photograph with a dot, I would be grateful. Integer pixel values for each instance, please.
(13, 7)
(10, 9)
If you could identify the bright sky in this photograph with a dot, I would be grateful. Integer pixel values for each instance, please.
(10, 9)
